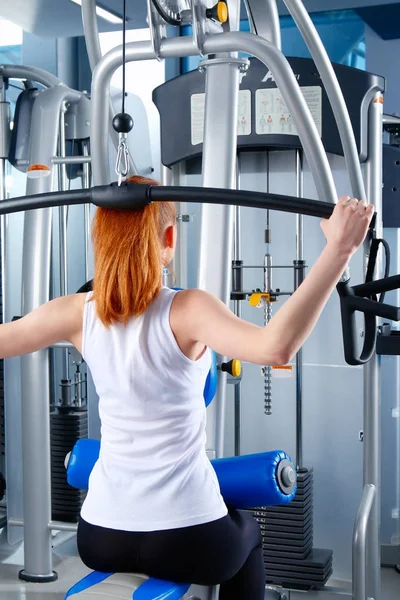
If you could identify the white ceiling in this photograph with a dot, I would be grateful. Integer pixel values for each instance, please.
(62, 18)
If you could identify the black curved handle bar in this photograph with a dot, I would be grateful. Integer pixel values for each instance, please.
(358, 298)
(131, 196)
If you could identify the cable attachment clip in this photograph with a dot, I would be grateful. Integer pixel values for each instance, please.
(123, 124)
(122, 164)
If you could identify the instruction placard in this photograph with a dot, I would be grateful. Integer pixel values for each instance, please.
(197, 116)
(273, 116)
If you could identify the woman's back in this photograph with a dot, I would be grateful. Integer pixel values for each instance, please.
(152, 413)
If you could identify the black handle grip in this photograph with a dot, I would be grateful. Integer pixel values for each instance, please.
(372, 307)
(127, 196)
(349, 327)
(378, 286)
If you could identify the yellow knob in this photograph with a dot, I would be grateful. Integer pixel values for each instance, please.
(233, 367)
(222, 12)
(236, 367)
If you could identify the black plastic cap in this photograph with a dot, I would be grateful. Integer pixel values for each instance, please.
(123, 123)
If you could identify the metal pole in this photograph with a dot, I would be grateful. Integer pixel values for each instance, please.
(268, 305)
(334, 92)
(32, 73)
(62, 227)
(4, 150)
(51, 526)
(216, 235)
(237, 253)
(264, 20)
(299, 274)
(238, 398)
(35, 389)
(372, 416)
(86, 210)
(92, 38)
(71, 160)
(214, 44)
(360, 543)
(299, 218)
(3, 233)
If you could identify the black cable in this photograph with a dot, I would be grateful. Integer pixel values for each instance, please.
(387, 250)
(373, 256)
(123, 55)
(387, 266)
(17, 87)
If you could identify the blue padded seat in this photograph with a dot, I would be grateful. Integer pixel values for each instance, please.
(246, 482)
(119, 586)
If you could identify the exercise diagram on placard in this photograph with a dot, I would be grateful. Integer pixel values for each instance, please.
(273, 116)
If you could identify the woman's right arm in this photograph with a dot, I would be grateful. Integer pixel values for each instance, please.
(201, 317)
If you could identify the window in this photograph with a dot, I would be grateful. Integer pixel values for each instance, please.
(10, 42)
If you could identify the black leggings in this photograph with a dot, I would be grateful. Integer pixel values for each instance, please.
(227, 552)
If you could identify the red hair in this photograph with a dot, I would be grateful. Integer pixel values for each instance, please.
(127, 257)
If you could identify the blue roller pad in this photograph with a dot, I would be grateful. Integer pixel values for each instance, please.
(156, 589)
(250, 481)
(210, 387)
(81, 462)
(245, 481)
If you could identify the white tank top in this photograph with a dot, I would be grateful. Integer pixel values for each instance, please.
(153, 472)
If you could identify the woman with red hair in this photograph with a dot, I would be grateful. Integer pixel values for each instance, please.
(154, 504)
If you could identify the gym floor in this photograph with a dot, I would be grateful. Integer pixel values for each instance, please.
(70, 569)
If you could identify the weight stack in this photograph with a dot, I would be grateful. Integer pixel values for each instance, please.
(288, 532)
(66, 428)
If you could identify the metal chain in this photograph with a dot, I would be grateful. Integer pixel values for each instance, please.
(267, 369)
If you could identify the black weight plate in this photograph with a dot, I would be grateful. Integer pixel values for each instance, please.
(75, 414)
(318, 558)
(295, 574)
(64, 438)
(293, 536)
(282, 568)
(79, 427)
(285, 543)
(289, 519)
(287, 554)
(298, 583)
(268, 528)
(291, 509)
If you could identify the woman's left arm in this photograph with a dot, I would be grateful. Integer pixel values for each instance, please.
(56, 321)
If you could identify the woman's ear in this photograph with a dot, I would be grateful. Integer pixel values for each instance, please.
(170, 236)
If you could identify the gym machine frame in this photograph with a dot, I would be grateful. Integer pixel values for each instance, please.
(216, 231)
(217, 223)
